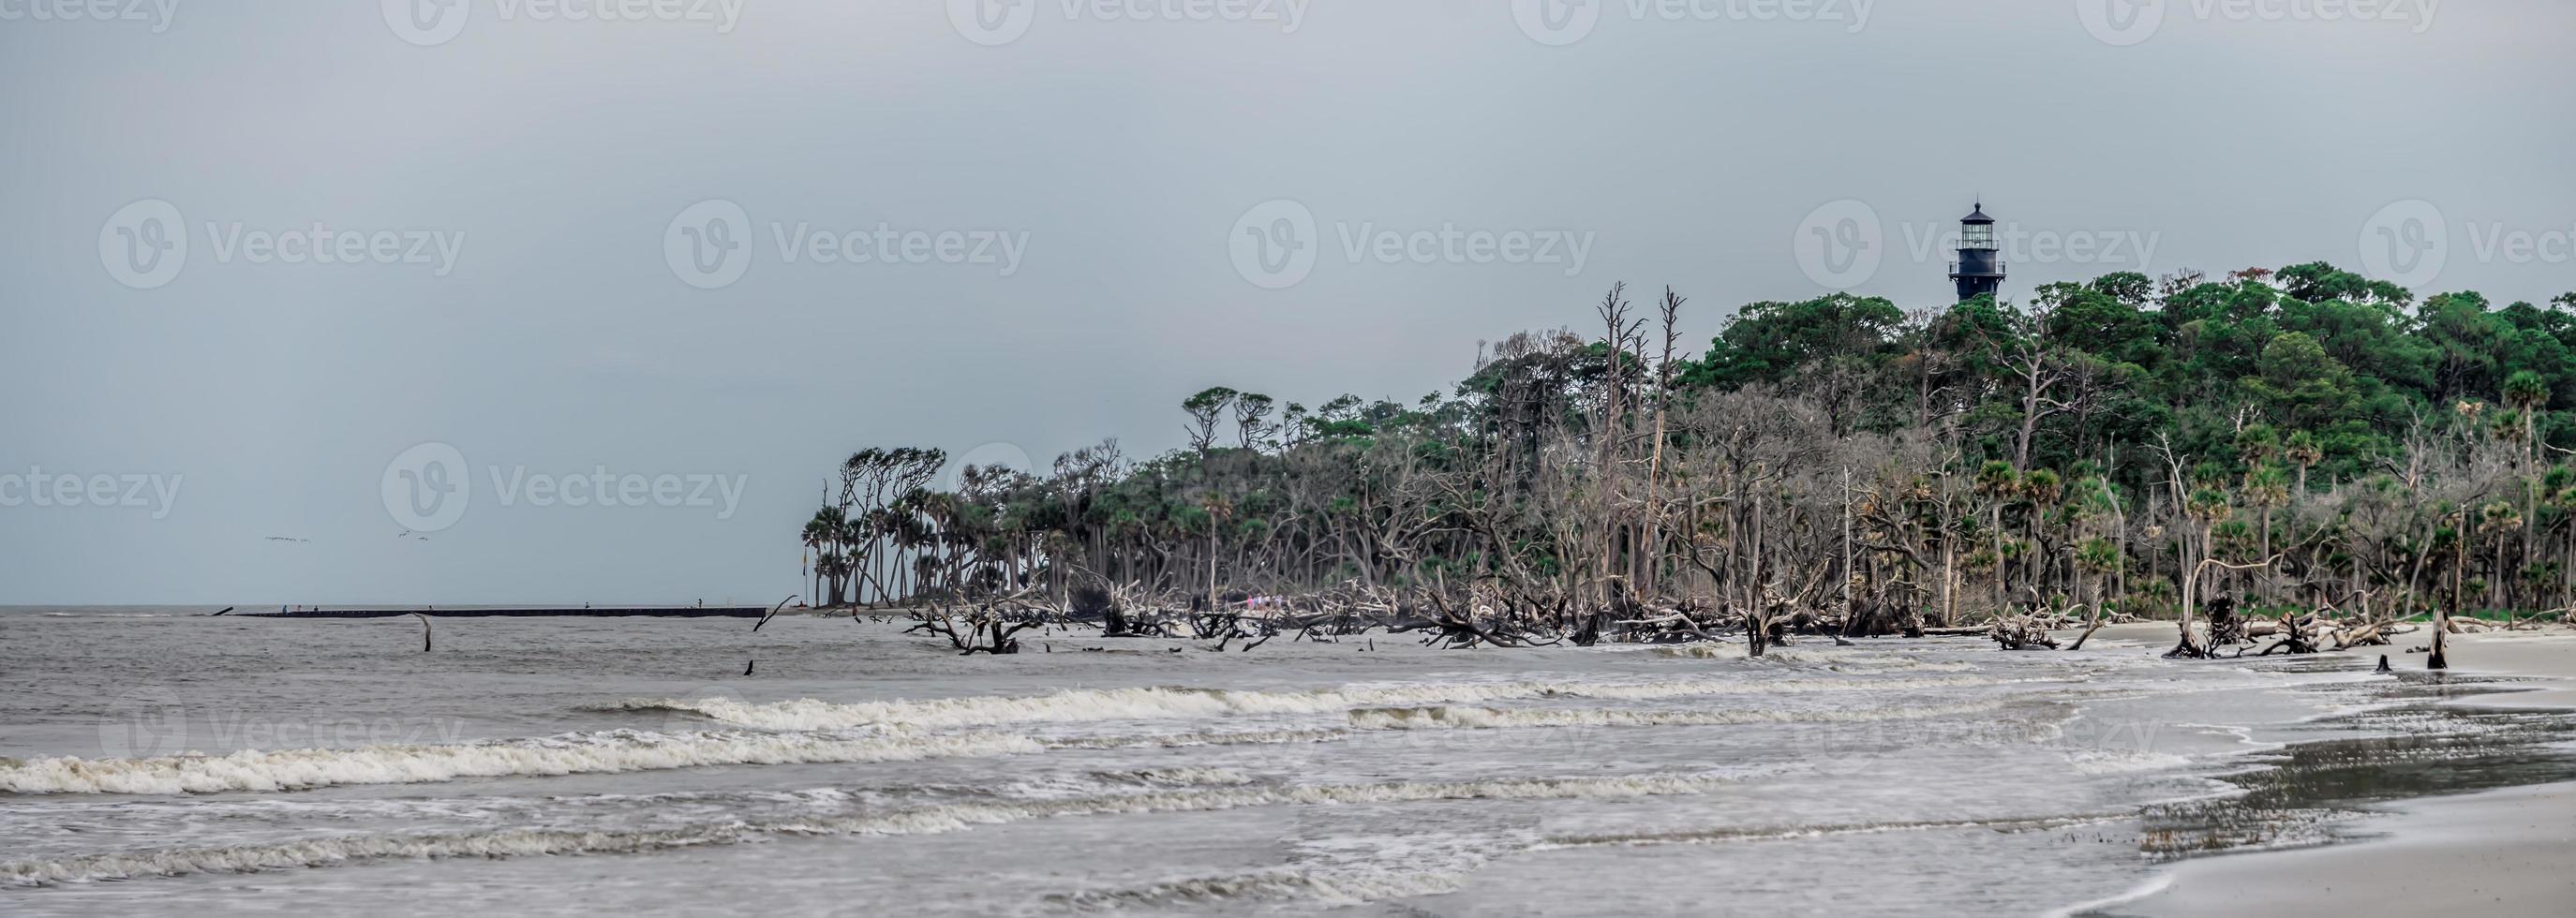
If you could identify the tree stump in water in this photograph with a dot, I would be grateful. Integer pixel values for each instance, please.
(2019, 632)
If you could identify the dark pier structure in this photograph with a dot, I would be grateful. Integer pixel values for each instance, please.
(480, 612)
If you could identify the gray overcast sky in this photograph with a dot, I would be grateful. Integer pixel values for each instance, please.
(542, 306)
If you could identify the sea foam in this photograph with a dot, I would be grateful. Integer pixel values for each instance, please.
(1169, 702)
(351, 849)
(578, 753)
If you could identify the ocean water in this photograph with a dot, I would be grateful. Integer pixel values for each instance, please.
(158, 761)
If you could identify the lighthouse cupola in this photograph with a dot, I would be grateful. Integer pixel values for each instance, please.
(1979, 270)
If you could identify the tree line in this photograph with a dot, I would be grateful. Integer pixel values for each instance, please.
(2302, 437)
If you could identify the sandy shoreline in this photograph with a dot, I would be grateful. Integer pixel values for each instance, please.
(2499, 852)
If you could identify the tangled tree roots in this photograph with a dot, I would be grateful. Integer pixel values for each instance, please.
(1495, 613)
(2021, 632)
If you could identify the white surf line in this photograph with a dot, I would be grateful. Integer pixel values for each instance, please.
(589, 753)
(1719, 836)
(2161, 881)
(1169, 702)
(344, 850)
(600, 753)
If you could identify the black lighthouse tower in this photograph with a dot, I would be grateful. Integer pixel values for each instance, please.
(1979, 270)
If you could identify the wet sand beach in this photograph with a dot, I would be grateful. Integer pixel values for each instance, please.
(2504, 852)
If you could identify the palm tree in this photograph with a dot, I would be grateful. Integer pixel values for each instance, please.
(2256, 445)
(1218, 510)
(1997, 482)
(2526, 392)
(2208, 506)
(2042, 488)
(2267, 488)
(821, 537)
(859, 535)
(2095, 500)
(2098, 557)
(2302, 451)
(2496, 520)
(2558, 486)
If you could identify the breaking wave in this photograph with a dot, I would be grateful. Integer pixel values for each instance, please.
(339, 850)
(1170, 777)
(1095, 782)
(578, 753)
(1167, 702)
(1178, 740)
